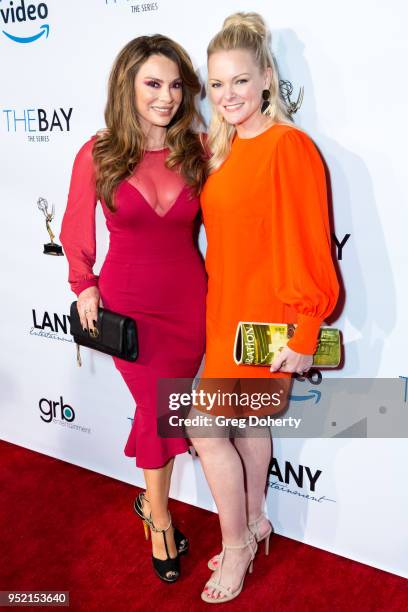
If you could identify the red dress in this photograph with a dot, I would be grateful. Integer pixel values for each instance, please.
(153, 273)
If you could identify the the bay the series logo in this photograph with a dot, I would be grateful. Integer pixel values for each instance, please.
(55, 410)
(14, 13)
(37, 119)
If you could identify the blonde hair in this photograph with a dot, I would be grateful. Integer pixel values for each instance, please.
(119, 148)
(243, 31)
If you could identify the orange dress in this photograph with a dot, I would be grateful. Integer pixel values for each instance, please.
(268, 257)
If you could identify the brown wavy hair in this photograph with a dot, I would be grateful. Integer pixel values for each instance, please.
(120, 147)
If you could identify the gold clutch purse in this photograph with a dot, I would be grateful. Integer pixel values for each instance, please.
(258, 343)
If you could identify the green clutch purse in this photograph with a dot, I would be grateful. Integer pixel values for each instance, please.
(257, 344)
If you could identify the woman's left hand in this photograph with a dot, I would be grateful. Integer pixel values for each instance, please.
(290, 361)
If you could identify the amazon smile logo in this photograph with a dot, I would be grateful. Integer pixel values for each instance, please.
(312, 394)
(16, 13)
(314, 377)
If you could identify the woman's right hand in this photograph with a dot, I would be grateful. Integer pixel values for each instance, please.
(87, 305)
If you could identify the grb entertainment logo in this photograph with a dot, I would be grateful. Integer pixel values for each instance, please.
(12, 14)
(60, 413)
(51, 410)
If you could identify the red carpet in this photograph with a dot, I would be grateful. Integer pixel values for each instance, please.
(66, 528)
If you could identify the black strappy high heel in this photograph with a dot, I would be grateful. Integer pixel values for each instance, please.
(182, 543)
(166, 569)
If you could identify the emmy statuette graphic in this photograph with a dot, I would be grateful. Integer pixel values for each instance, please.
(286, 89)
(51, 248)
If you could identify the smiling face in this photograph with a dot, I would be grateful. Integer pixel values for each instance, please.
(236, 84)
(158, 91)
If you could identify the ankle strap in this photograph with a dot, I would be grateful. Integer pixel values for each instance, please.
(256, 521)
(152, 525)
(249, 541)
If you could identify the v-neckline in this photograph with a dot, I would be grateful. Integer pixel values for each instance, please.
(150, 207)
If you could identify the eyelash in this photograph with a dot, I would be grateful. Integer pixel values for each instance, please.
(153, 84)
(239, 81)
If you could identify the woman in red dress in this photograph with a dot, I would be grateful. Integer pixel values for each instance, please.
(147, 169)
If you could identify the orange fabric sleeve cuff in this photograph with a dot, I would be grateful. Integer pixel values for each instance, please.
(304, 340)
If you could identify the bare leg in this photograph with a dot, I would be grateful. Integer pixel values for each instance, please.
(255, 453)
(224, 473)
(169, 472)
(255, 449)
(157, 492)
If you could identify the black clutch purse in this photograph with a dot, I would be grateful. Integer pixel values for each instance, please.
(116, 334)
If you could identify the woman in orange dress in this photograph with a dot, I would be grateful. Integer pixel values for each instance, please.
(268, 260)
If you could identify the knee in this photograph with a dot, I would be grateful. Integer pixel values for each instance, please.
(204, 446)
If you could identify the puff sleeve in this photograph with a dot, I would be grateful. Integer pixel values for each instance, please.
(78, 224)
(303, 268)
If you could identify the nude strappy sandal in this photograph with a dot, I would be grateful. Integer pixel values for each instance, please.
(215, 583)
(253, 526)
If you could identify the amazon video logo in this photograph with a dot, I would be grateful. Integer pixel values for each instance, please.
(312, 395)
(16, 13)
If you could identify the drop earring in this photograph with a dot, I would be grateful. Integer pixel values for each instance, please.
(266, 94)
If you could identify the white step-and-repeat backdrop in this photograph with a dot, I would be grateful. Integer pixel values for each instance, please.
(343, 495)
